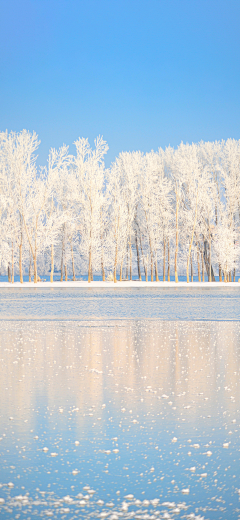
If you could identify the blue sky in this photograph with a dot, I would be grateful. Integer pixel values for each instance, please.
(143, 74)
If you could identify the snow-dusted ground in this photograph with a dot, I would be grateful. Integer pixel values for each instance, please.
(132, 284)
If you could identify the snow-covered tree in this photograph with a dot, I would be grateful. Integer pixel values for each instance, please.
(75, 215)
(89, 170)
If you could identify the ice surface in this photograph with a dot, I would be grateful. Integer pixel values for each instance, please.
(142, 405)
(165, 303)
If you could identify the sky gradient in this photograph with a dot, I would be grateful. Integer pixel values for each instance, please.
(143, 74)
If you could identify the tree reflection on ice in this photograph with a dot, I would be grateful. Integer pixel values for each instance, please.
(127, 418)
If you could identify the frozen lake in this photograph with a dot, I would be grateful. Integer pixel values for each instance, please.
(177, 303)
(107, 414)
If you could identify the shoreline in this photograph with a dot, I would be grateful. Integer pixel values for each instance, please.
(126, 284)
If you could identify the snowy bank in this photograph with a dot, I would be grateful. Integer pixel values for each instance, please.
(132, 284)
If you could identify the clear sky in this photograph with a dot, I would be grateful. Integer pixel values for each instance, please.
(142, 73)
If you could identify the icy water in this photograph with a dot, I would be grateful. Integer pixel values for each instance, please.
(107, 414)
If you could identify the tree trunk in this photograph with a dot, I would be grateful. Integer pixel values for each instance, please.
(191, 270)
(30, 267)
(102, 265)
(12, 263)
(234, 274)
(198, 265)
(151, 263)
(35, 269)
(156, 268)
(115, 264)
(89, 265)
(150, 245)
(20, 251)
(190, 246)
(103, 272)
(176, 249)
(33, 251)
(212, 274)
(90, 258)
(62, 267)
(203, 278)
(35, 256)
(130, 257)
(90, 249)
(20, 263)
(127, 263)
(9, 273)
(143, 256)
(121, 268)
(207, 259)
(164, 259)
(138, 260)
(168, 261)
(102, 250)
(62, 255)
(151, 269)
(220, 273)
(146, 271)
(52, 264)
(73, 266)
(116, 252)
(66, 276)
(210, 262)
(151, 253)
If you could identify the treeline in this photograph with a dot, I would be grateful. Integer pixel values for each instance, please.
(151, 214)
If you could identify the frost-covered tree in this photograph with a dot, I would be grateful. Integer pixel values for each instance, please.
(19, 160)
(74, 215)
(89, 170)
(128, 167)
(177, 175)
(164, 211)
(119, 218)
(60, 217)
